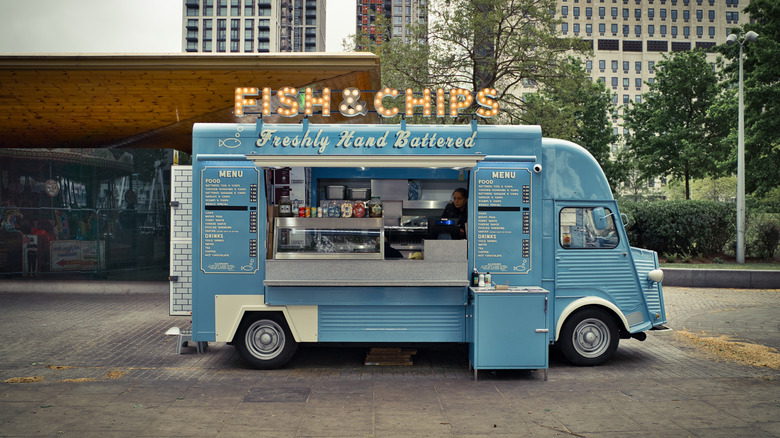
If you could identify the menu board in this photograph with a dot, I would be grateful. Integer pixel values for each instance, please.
(503, 220)
(229, 220)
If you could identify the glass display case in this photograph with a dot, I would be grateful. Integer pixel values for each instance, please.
(328, 238)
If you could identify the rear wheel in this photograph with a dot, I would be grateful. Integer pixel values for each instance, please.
(265, 341)
(589, 337)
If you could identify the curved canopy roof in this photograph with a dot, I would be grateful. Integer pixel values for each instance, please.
(142, 101)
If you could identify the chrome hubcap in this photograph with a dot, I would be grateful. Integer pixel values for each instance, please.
(591, 337)
(265, 339)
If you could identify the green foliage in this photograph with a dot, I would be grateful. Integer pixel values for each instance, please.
(704, 189)
(769, 203)
(680, 227)
(672, 130)
(577, 109)
(476, 44)
(762, 96)
(763, 236)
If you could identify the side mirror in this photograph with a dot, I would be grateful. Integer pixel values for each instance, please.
(600, 218)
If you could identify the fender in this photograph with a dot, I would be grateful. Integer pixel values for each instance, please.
(587, 301)
(229, 310)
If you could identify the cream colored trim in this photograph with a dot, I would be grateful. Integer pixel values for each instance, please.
(587, 301)
(438, 161)
(230, 309)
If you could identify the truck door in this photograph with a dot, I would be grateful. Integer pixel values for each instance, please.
(504, 238)
(592, 259)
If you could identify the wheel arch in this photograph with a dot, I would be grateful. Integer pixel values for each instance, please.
(594, 302)
(232, 310)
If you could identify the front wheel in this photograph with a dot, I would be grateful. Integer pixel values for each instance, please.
(589, 337)
(265, 341)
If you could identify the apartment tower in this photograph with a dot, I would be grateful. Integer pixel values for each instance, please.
(401, 14)
(252, 26)
(630, 36)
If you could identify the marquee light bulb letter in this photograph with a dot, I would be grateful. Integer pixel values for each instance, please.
(311, 101)
(488, 106)
(351, 106)
(242, 100)
(424, 102)
(292, 102)
(456, 104)
(380, 107)
(440, 102)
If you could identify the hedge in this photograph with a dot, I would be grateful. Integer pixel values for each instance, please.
(680, 227)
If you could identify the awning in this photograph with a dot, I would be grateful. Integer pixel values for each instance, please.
(140, 101)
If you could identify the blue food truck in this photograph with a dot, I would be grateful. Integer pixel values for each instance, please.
(338, 233)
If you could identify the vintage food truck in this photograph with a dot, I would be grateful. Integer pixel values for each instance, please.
(273, 267)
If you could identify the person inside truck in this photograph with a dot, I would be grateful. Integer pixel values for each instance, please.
(457, 209)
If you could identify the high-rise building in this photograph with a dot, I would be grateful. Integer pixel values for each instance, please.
(629, 37)
(251, 26)
(400, 16)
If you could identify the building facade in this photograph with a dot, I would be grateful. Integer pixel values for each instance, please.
(629, 37)
(253, 26)
(400, 14)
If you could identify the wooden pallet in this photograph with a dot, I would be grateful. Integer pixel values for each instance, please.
(390, 356)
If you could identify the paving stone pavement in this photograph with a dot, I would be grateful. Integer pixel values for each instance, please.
(108, 369)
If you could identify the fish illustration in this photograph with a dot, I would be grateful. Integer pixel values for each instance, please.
(520, 267)
(230, 143)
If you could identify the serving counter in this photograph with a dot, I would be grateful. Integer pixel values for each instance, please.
(444, 264)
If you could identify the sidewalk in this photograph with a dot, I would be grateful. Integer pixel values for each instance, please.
(108, 369)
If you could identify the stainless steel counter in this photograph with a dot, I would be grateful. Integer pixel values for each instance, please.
(445, 264)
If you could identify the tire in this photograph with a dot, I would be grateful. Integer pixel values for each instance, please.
(589, 337)
(265, 342)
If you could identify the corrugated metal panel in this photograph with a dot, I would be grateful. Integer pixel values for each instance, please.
(391, 323)
(609, 271)
(645, 262)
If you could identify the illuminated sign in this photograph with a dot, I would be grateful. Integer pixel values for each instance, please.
(442, 103)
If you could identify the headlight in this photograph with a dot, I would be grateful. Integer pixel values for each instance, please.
(656, 275)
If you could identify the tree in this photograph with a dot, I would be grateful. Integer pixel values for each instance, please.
(478, 44)
(672, 131)
(577, 109)
(706, 189)
(762, 96)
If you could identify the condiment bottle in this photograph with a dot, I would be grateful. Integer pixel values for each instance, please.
(346, 209)
(375, 207)
(359, 210)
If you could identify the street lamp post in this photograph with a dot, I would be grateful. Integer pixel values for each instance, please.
(731, 40)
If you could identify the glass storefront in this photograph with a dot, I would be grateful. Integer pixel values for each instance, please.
(85, 214)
